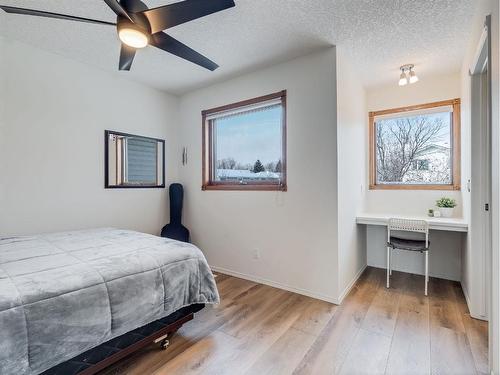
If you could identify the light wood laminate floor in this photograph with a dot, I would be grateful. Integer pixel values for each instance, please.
(259, 330)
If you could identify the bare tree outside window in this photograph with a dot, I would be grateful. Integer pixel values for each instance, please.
(414, 149)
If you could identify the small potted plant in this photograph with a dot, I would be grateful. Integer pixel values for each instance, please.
(446, 206)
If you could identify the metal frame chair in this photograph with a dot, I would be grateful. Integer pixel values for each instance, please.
(407, 225)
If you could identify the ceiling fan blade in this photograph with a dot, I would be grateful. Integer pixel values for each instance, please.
(118, 9)
(134, 6)
(39, 13)
(173, 46)
(127, 55)
(167, 16)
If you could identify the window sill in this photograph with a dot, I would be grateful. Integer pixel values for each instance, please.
(415, 187)
(245, 187)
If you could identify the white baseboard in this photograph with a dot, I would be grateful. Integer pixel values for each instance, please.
(467, 299)
(275, 284)
(351, 284)
(466, 294)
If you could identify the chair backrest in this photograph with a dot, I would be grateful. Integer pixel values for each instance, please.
(408, 225)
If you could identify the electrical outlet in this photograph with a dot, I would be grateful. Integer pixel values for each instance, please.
(256, 254)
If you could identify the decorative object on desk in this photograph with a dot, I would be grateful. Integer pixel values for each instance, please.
(175, 229)
(446, 206)
(430, 212)
(437, 213)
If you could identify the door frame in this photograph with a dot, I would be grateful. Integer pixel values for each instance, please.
(481, 106)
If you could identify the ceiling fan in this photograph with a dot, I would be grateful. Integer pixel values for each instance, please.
(139, 26)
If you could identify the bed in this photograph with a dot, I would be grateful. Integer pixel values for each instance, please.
(64, 294)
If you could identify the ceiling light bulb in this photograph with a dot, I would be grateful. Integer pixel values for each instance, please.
(403, 80)
(133, 38)
(413, 77)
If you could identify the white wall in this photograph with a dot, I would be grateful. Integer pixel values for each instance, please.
(445, 257)
(467, 257)
(52, 169)
(429, 89)
(295, 231)
(351, 140)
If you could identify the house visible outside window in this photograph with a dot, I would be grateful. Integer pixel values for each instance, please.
(416, 147)
(421, 165)
(244, 145)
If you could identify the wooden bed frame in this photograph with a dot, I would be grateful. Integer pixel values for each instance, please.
(108, 353)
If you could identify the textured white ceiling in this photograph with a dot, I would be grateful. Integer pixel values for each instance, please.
(378, 35)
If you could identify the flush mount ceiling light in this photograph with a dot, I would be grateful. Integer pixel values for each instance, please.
(413, 76)
(408, 75)
(403, 80)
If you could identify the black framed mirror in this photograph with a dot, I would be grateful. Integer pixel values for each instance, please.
(133, 161)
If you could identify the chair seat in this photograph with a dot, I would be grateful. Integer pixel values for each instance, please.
(406, 244)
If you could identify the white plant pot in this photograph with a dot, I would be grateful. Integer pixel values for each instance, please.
(446, 211)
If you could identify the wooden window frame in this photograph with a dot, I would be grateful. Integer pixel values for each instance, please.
(207, 149)
(455, 183)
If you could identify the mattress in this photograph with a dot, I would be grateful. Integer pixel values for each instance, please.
(64, 293)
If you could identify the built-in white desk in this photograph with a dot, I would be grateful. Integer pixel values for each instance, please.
(435, 223)
(446, 241)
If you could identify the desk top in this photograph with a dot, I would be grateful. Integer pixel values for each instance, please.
(435, 223)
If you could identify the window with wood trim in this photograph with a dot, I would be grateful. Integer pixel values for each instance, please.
(244, 145)
(416, 147)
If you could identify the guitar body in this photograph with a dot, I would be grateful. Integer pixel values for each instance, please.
(176, 232)
(175, 229)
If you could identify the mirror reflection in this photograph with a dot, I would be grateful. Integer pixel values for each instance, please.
(133, 161)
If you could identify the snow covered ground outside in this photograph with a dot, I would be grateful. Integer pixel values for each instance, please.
(244, 175)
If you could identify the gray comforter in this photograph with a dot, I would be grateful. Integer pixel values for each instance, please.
(64, 293)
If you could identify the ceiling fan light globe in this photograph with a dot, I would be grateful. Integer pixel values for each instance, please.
(133, 37)
(403, 79)
(413, 77)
